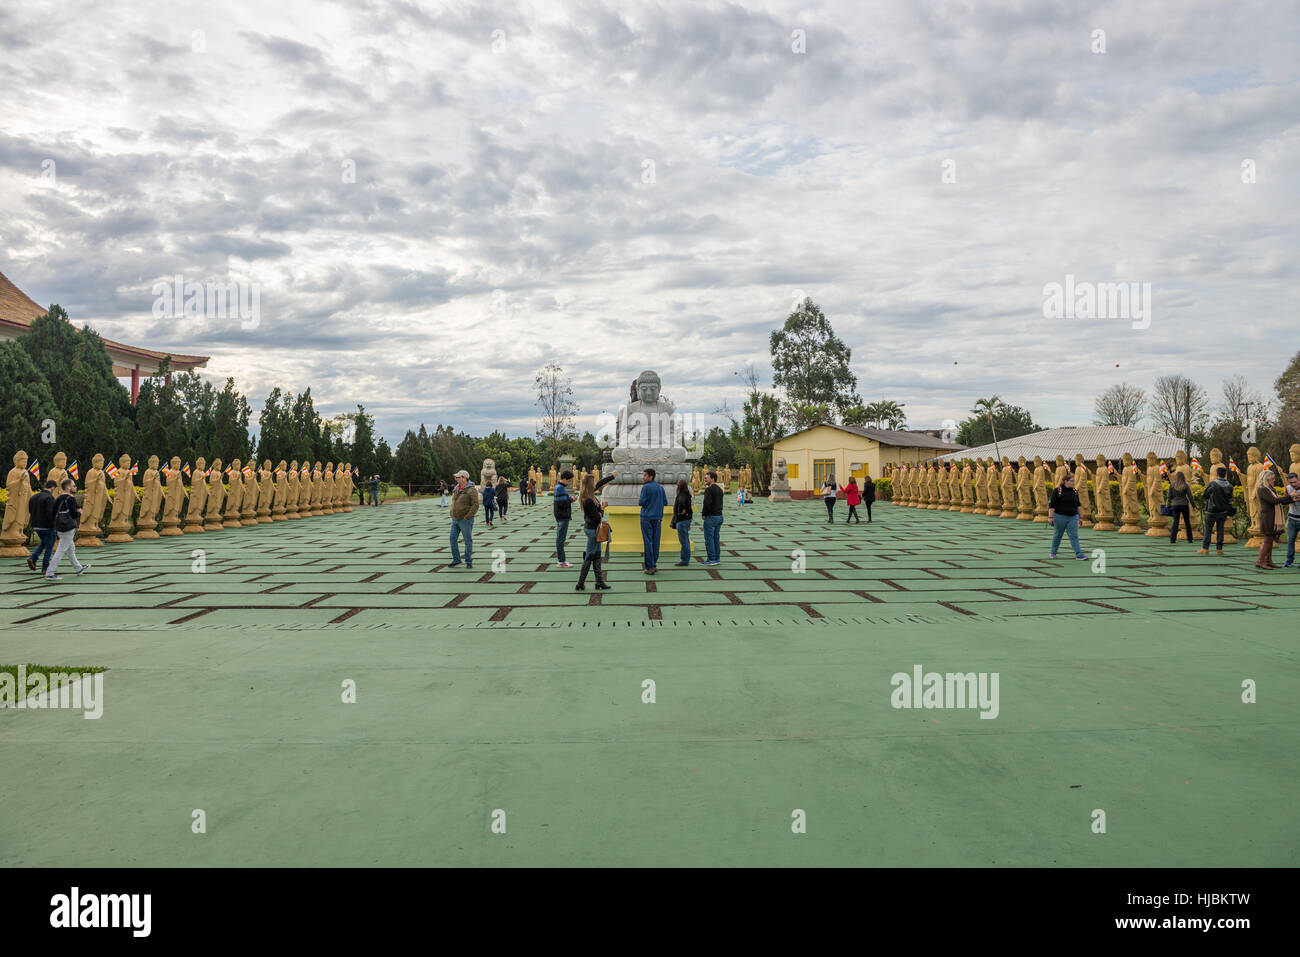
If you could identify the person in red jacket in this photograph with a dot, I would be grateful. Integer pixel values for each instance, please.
(854, 499)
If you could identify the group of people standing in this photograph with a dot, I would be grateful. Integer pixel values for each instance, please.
(853, 497)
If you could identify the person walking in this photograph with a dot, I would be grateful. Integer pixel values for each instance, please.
(653, 501)
(562, 509)
(711, 519)
(828, 496)
(503, 498)
(464, 506)
(1292, 517)
(67, 516)
(853, 499)
(1217, 507)
(523, 491)
(489, 502)
(442, 494)
(592, 516)
(532, 491)
(374, 490)
(40, 507)
(868, 495)
(1268, 501)
(1063, 513)
(682, 515)
(1179, 499)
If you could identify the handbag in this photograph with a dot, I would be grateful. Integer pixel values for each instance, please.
(602, 533)
(1166, 510)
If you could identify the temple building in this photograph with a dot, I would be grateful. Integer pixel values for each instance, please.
(17, 310)
(845, 450)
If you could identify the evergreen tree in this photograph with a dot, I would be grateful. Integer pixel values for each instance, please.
(383, 460)
(27, 408)
(362, 454)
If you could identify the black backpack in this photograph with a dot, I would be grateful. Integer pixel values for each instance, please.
(64, 519)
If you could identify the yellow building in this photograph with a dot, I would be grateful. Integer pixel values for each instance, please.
(844, 450)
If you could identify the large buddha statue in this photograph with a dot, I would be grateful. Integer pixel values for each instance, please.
(216, 497)
(150, 501)
(173, 498)
(93, 504)
(648, 436)
(198, 497)
(19, 488)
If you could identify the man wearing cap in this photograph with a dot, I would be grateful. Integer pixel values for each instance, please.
(464, 506)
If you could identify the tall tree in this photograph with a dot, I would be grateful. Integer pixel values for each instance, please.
(1120, 404)
(362, 455)
(1010, 421)
(558, 407)
(812, 365)
(27, 408)
(1179, 407)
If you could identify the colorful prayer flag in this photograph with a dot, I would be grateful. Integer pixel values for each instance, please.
(111, 471)
(135, 468)
(1270, 464)
(73, 471)
(1233, 465)
(1196, 464)
(185, 469)
(35, 469)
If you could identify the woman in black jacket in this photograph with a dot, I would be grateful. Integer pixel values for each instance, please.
(592, 515)
(1063, 514)
(682, 515)
(1179, 500)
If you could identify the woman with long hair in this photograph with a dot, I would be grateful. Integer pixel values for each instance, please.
(829, 489)
(503, 497)
(682, 515)
(1179, 498)
(853, 499)
(592, 515)
(1063, 513)
(1268, 500)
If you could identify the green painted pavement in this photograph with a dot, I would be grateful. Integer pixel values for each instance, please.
(479, 690)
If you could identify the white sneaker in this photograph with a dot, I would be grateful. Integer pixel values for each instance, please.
(563, 564)
(83, 568)
(54, 578)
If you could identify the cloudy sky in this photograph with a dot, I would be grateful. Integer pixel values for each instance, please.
(616, 186)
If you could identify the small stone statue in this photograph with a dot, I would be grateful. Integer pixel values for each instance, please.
(59, 472)
(124, 499)
(234, 496)
(1008, 489)
(1024, 492)
(327, 490)
(146, 524)
(13, 534)
(1040, 490)
(248, 505)
(292, 490)
(1081, 486)
(265, 493)
(1131, 520)
(1250, 488)
(198, 498)
(92, 505)
(1155, 489)
(216, 497)
(173, 498)
(1101, 490)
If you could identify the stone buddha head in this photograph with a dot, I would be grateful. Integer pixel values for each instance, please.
(648, 386)
(153, 461)
(20, 460)
(60, 460)
(97, 461)
(175, 463)
(200, 464)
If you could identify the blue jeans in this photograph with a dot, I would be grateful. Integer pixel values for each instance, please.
(46, 546)
(712, 538)
(462, 526)
(561, 533)
(1065, 525)
(374, 495)
(1292, 529)
(593, 546)
(684, 539)
(490, 510)
(650, 528)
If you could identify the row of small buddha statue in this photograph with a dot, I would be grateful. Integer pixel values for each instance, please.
(1021, 491)
(252, 497)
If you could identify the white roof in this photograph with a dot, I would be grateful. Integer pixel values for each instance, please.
(1111, 441)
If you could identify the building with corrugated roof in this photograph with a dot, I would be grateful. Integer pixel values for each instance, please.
(18, 310)
(1089, 441)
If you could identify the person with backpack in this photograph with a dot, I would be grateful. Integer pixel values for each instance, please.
(562, 509)
(67, 516)
(41, 509)
(853, 499)
(1217, 507)
(592, 516)
(868, 495)
(489, 502)
(503, 498)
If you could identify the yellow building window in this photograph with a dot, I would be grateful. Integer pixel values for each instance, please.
(822, 470)
(792, 471)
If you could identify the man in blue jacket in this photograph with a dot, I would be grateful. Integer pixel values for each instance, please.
(653, 501)
(563, 510)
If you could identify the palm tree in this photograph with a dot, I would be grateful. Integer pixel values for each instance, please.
(892, 414)
(990, 407)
